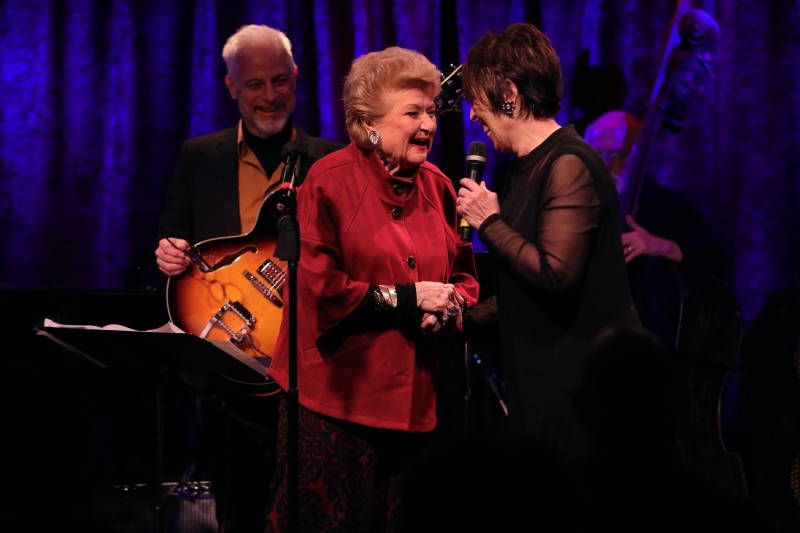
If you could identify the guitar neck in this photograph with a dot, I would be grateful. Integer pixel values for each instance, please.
(637, 166)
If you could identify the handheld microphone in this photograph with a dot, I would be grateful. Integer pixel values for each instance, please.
(476, 163)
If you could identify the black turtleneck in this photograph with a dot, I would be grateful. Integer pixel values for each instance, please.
(268, 151)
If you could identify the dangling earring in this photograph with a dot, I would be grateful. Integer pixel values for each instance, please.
(509, 107)
(374, 138)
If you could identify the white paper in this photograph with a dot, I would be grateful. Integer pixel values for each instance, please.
(169, 327)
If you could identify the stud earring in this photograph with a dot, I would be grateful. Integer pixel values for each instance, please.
(508, 108)
(374, 138)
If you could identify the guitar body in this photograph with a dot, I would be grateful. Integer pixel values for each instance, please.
(242, 289)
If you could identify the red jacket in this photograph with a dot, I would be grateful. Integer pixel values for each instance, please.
(361, 226)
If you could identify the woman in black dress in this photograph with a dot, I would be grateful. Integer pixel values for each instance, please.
(553, 235)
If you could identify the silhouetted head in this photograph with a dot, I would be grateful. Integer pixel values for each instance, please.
(628, 394)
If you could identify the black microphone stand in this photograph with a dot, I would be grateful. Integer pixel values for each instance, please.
(288, 249)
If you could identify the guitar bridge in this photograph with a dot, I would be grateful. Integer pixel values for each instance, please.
(263, 289)
(273, 274)
(248, 321)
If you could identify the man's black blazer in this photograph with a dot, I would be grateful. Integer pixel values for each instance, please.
(203, 197)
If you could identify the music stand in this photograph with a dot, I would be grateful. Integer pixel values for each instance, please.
(156, 354)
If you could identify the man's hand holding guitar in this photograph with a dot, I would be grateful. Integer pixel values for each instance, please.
(171, 256)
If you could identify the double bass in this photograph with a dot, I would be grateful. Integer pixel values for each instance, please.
(694, 314)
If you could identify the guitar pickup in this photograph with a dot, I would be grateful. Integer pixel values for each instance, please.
(273, 275)
(242, 311)
(247, 318)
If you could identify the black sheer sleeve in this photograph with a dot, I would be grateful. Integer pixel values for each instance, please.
(480, 323)
(555, 256)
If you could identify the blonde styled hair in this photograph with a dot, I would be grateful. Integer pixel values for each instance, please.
(256, 36)
(372, 75)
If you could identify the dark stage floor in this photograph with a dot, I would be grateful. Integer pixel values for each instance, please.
(80, 441)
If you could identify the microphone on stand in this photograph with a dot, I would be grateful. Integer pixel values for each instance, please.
(476, 163)
(291, 154)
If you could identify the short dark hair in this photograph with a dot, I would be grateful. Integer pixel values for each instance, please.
(524, 55)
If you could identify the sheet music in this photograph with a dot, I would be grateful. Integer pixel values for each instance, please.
(169, 327)
(226, 346)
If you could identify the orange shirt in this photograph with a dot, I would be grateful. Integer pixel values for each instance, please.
(254, 184)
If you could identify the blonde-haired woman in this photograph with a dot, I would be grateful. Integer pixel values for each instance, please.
(382, 275)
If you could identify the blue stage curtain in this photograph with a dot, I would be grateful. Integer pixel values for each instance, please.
(97, 96)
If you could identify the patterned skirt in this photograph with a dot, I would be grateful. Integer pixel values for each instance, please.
(352, 478)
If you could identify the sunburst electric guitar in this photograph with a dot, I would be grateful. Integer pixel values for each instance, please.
(233, 289)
